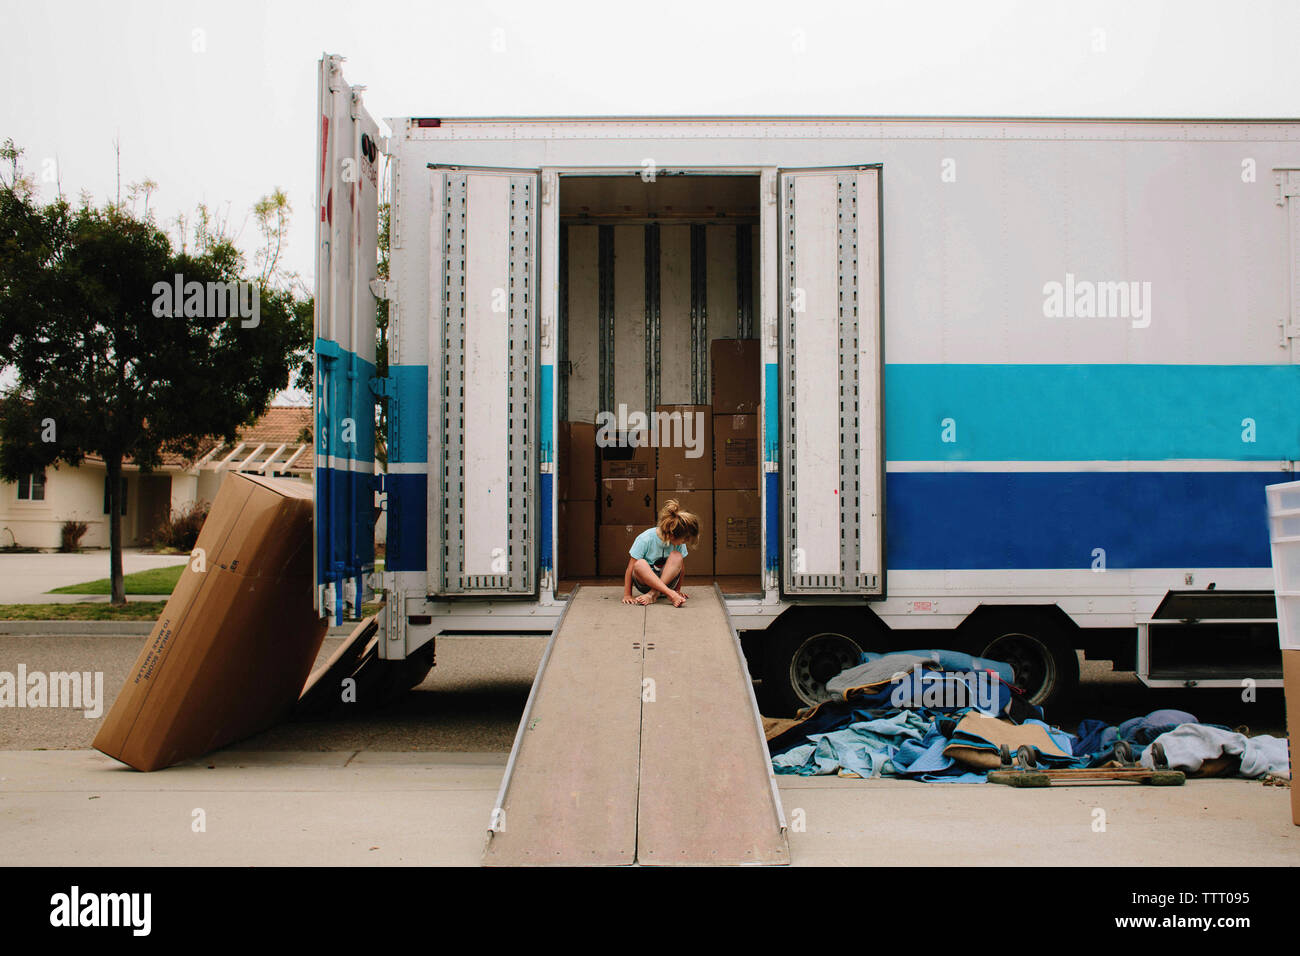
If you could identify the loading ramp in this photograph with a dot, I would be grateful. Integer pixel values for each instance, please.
(640, 743)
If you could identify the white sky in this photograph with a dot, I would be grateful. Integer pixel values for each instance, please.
(229, 122)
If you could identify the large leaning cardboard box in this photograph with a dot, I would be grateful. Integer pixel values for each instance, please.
(235, 643)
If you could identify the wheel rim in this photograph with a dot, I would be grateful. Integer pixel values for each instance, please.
(1031, 662)
(817, 660)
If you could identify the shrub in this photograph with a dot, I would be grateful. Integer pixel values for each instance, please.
(71, 534)
(180, 529)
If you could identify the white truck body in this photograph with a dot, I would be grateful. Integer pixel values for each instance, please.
(1068, 349)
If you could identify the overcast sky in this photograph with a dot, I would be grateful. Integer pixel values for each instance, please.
(216, 101)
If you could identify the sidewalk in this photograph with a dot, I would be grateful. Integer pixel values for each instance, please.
(357, 808)
(24, 578)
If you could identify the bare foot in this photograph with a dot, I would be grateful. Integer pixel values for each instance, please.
(647, 599)
(677, 599)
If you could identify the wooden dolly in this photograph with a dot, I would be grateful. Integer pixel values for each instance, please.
(1023, 770)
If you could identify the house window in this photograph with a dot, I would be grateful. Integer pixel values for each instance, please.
(121, 497)
(32, 487)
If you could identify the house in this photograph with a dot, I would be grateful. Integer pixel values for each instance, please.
(33, 509)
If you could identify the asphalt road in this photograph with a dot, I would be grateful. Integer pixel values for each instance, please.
(472, 699)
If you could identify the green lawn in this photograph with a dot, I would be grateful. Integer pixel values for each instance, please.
(153, 581)
(134, 611)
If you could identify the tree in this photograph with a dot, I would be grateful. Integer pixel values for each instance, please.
(105, 363)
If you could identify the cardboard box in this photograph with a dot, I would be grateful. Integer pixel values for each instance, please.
(235, 643)
(615, 541)
(577, 539)
(1291, 688)
(577, 464)
(735, 372)
(699, 558)
(627, 501)
(736, 459)
(685, 446)
(623, 460)
(738, 532)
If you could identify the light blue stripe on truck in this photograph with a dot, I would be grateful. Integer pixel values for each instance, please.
(1092, 412)
(771, 432)
(408, 429)
(548, 390)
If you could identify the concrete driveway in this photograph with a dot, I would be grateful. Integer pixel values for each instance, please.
(24, 578)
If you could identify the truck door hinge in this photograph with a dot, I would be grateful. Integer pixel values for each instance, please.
(1286, 332)
(1288, 184)
(383, 288)
(328, 349)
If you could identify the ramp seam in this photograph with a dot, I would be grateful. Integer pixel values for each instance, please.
(640, 736)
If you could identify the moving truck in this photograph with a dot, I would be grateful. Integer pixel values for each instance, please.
(1020, 383)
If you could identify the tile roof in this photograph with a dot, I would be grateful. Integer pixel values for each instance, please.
(289, 425)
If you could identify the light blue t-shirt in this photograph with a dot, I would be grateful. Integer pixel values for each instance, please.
(653, 548)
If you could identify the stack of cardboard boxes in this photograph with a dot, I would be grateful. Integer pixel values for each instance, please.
(578, 490)
(734, 364)
(705, 456)
(627, 499)
(686, 473)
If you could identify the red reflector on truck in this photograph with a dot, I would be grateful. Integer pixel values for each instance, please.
(427, 121)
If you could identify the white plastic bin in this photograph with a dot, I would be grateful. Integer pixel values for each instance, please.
(1284, 533)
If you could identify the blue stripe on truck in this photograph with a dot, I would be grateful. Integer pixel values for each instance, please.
(546, 525)
(771, 423)
(547, 441)
(344, 499)
(408, 429)
(1092, 412)
(991, 520)
(345, 399)
(408, 504)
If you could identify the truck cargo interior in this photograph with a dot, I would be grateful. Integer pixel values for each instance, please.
(658, 292)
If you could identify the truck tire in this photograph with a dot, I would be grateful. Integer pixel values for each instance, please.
(1045, 664)
(799, 660)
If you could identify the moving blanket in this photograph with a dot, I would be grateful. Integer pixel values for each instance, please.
(863, 749)
(1190, 745)
(876, 668)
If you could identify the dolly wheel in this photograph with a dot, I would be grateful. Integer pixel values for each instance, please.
(1158, 759)
(1028, 759)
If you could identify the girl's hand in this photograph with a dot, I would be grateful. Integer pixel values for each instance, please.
(627, 599)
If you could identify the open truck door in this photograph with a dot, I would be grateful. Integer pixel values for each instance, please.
(832, 460)
(484, 393)
(347, 235)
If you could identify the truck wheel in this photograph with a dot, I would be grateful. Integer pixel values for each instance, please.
(1045, 665)
(798, 663)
